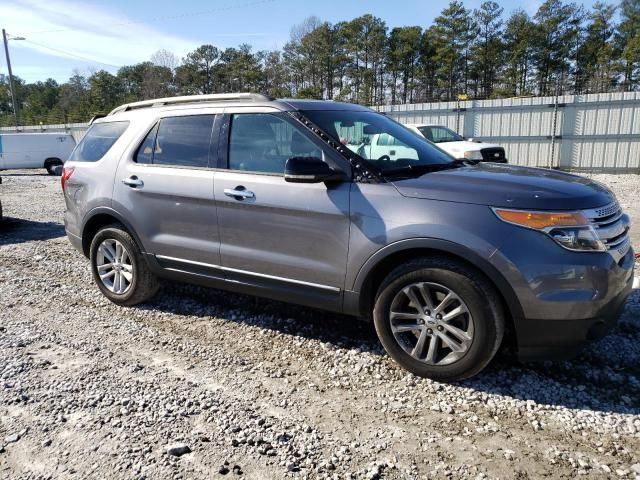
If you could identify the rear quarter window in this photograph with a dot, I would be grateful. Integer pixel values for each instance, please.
(98, 141)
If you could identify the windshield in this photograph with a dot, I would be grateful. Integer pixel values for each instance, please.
(378, 140)
(440, 134)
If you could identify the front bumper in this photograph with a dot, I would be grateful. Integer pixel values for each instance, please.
(567, 298)
(562, 338)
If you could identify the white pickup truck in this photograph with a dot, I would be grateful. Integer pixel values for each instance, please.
(457, 146)
(35, 150)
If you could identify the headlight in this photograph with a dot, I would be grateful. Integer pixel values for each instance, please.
(570, 230)
(473, 155)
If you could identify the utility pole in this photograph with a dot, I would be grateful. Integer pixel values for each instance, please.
(13, 93)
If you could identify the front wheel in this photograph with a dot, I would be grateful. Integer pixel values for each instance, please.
(118, 268)
(439, 318)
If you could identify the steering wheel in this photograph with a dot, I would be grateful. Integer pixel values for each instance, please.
(384, 158)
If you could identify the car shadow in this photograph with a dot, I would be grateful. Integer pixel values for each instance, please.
(592, 381)
(16, 230)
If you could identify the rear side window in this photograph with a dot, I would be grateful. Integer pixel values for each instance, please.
(98, 141)
(178, 141)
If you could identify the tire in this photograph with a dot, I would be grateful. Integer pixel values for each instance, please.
(472, 318)
(51, 163)
(139, 285)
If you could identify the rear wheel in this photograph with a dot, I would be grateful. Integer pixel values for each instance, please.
(53, 166)
(119, 269)
(439, 318)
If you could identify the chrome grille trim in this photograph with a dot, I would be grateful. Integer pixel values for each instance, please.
(608, 220)
(611, 225)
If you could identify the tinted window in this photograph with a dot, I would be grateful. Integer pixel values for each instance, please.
(357, 130)
(145, 152)
(97, 141)
(263, 142)
(183, 141)
(440, 134)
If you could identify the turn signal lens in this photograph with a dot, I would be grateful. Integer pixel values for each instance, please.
(570, 230)
(542, 220)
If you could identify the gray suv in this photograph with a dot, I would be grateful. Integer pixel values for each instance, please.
(281, 198)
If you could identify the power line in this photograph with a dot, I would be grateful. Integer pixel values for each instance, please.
(64, 52)
(164, 18)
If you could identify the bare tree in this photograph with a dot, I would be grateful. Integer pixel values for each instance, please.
(165, 58)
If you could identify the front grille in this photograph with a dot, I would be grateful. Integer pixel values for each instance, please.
(493, 154)
(612, 226)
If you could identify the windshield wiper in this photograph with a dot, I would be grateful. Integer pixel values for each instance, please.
(428, 168)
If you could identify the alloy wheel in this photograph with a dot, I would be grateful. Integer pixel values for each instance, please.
(114, 266)
(431, 323)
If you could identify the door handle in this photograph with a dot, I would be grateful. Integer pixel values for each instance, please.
(133, 181)
(239, 193)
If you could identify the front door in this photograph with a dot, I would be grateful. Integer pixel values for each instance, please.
(165, 190)
(289, 235)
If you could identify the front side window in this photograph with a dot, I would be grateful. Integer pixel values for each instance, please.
(440, 134)
(263, 142)
(178, 141)
(378, 140)
(98, 141)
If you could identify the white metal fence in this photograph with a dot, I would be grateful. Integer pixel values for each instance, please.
(599, 132)
(75, 129)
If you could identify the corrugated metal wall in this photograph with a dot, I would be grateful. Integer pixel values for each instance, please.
(598, 132)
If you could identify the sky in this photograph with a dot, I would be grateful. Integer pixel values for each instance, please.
(64, 35)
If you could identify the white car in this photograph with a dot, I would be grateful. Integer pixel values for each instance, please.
(35, 150)
(459, 147)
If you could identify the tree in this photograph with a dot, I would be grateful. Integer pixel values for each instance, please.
(197, 72)
(597, 55)
(165, 58)
(364, 54)
(403, 52)
(554, 39)
(275, 79)
(519, 31)
(628, 43)
(452, 33)
(106, 92)
(238, 70)
(74, 99)
(488, 51)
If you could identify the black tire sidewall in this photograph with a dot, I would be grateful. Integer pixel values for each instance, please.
(485, 331)
(134, 254)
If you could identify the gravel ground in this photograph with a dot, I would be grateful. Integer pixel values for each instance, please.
(206, 384)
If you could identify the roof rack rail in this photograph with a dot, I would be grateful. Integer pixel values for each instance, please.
(216, 97)
(96, 117)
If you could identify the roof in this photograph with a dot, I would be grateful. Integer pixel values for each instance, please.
(226, 99)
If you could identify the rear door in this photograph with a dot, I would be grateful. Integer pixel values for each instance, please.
(164, 187)
(281, 235)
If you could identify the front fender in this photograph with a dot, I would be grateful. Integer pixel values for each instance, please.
(447, 247)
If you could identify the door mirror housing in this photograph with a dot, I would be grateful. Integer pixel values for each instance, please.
(310, 170)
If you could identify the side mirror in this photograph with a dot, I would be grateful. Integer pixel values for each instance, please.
(310, 170)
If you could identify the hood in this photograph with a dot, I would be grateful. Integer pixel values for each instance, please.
(509, 186)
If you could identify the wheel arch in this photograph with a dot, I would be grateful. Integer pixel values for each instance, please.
(380, 264)
(101, 217)
(51, 160)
